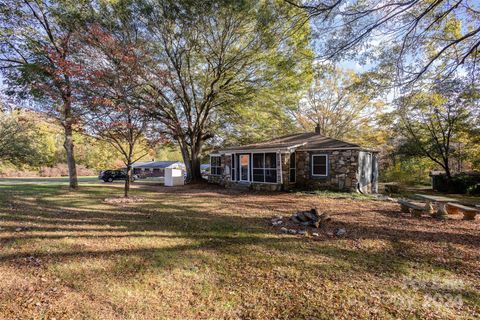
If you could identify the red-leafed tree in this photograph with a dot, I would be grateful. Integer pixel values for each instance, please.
(111, 82)
(36, 39)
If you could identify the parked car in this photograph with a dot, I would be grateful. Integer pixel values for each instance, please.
(110, 175)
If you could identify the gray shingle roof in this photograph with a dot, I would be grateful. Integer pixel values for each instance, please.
(155, 164)
(302, 141)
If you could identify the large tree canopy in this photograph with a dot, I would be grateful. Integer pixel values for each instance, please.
(338, 103)
(205, 67)
(212, 57)
(415, 36)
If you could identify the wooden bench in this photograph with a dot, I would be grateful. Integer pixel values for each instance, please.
(468, 212)
(409, 207)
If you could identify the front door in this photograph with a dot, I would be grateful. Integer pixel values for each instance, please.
(244, 167)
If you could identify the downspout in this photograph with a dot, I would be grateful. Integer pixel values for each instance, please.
(359, 168)
(281, 171)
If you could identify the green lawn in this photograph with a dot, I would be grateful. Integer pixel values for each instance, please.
(63, 181)
(59, 181)
(203, 252)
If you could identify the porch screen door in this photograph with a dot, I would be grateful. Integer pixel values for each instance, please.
(244, 167)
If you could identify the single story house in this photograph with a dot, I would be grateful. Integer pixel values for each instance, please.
(303, 160)
(155, 168)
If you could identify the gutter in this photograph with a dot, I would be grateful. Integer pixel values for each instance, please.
(339, 149)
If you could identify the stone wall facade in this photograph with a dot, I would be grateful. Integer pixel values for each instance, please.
(342, 170)
(216, 179)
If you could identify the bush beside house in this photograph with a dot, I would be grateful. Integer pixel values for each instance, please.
(463, 183)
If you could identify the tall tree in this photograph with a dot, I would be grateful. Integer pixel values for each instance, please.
(433, 119)
(337, 103)
(416, 36)
(35, 54)
(110, 86)
(212, 56)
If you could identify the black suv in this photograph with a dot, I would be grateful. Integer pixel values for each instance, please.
(110, 175)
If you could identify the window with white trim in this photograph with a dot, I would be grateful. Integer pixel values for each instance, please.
(319, 165)
(265, 167)
(215, 165)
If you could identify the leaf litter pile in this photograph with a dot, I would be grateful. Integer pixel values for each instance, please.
(205, 252)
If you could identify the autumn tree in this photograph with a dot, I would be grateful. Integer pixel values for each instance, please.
(433, 118)
(111, 84)
(210, 57)
(338, 103)
(35, 55)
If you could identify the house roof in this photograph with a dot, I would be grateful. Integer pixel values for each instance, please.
(155, 164)
(299, 141)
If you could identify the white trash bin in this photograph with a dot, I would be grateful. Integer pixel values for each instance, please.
(174, 177)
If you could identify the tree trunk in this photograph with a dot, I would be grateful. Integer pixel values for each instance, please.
(196, 173)
(448, 175)
(68, 145)
(192, 163)
(447, 172)
(127, 181)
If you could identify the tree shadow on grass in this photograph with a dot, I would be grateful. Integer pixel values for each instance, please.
(183, 218)
(228, 257)
(205, 229)
(344, 260)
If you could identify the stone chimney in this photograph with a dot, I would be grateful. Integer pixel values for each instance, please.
(317, 129)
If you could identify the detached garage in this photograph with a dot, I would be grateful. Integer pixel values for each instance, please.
(155, 168)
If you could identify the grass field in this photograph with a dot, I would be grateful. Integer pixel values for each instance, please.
(60, 181)
(199, 252)
(63, 181)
